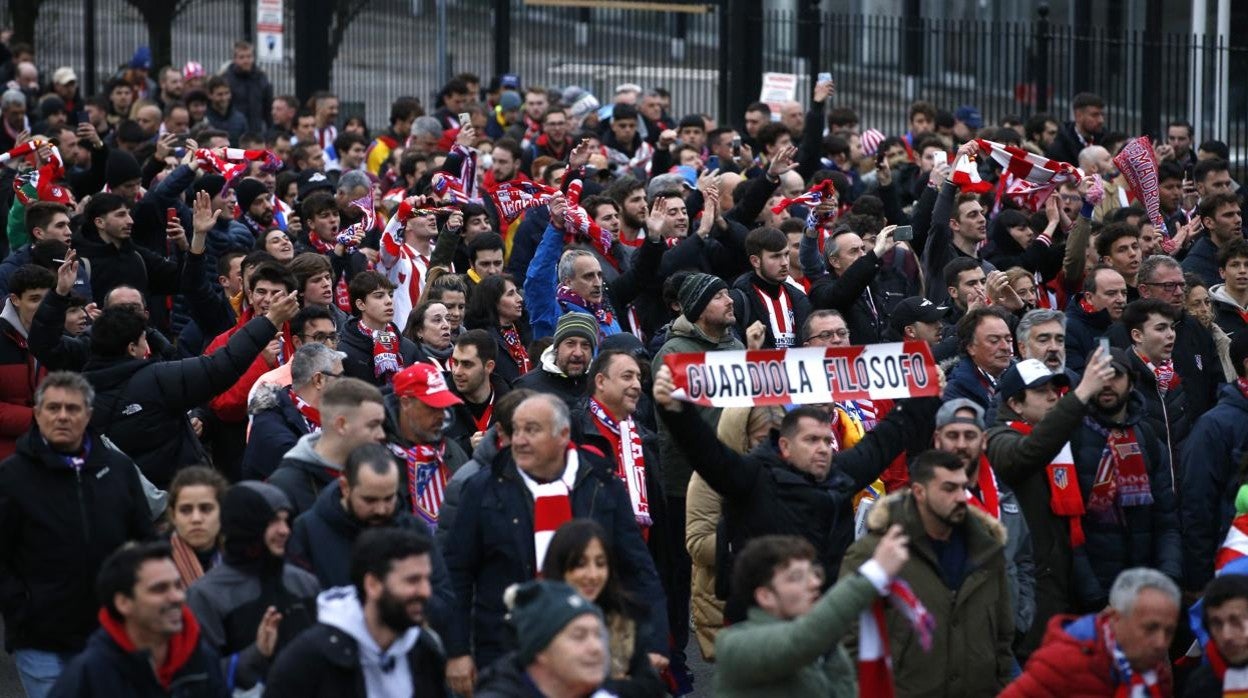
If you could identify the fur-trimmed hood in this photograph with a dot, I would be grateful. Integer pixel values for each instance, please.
(882, 514)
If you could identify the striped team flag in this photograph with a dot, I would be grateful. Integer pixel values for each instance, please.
(1028, 176)
(875, 665)
(365, 224)
(1236, 544)
(449, 188)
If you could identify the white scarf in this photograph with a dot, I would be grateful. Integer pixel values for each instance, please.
(552, 504)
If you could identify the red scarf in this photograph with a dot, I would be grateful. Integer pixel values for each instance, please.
(515, 348)
(1121, 476)
(1242, 384)
(342, 296)
(310, 413)
(1087, 306)
(181, 646)
(483, 422)
(630, 462)
(1065, 500)
(427, 476)
(989, 498)
(387, 354)
(1163, 373)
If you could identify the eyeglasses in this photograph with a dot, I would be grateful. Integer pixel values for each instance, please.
(825, 336)
(323, 337)
(1167, 286)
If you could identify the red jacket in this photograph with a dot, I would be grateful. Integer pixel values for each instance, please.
(1073, 662)
(231, 406)
(20, 374)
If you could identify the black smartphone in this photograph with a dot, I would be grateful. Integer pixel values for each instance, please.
(903, 233)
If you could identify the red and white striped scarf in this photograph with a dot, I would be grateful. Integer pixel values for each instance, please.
(1035, 176)
(342, 295)
(630, 462)
(779, 315)
(311, 415)
(552, 504)
(401, 264)
(1163, 372)
(875, 664)
(427, 476)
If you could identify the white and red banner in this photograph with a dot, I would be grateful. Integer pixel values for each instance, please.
(1138, 164)
(808, 376)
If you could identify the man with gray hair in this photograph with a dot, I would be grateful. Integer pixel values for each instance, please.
(281, 415)
(1041, 335)
(426, 132)
(542, 483)
(1121, 651)
(66, 502)
(13, 113)
(1196, 360)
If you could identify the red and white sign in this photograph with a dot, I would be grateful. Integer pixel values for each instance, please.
(808, 376)
(270, 28)
(778, 88)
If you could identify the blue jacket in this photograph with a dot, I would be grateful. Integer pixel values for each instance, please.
(1147, 536)
(1202, 260)
(276, 425)
(491, 547)
(22, 256)
(1211, 459)
(965, 381)
(1082, 331)
(540, 284)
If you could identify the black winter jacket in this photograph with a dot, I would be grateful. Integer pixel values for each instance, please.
(359, 350)
(764, 495)
(491, 547)
(59, 524)
(276, 426)
(141, 404)
(1082, 331)
(105, 669)
(1147, 536)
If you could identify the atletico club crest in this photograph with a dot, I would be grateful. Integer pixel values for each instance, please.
(1060, 478)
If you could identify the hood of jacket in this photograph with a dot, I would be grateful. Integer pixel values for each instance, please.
(304, 451)
(111, 373)
(269, 396)
(506, 677)
(1218, 294)
(341, 608)
(682, 327)
(9, 315)
(899, 507)
(487, 450)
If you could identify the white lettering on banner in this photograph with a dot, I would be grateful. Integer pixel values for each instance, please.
(805, 376)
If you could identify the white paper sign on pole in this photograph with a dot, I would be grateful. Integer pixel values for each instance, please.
(777, 89)
(269, 30)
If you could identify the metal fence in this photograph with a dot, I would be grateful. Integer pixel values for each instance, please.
(881, 64)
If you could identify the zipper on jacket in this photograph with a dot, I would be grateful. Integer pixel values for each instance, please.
(82, 509)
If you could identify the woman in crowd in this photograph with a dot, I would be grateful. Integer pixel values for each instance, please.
(195, 513)
(497, 308)
(451, 291)
(429, 328)
(277, 243)
(578, 555)
(1199, 306)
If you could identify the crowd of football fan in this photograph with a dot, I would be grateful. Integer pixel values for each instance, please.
(298, 406)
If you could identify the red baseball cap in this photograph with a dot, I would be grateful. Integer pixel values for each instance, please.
(425, 383)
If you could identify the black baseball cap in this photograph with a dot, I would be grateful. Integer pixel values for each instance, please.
(915, 309)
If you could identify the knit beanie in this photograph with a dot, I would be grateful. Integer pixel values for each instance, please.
(540, 609)
(696, 293)
(247, 191)
(121, 168)
(211, 183)
(577, 325)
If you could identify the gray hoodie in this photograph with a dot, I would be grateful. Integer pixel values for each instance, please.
(341, 608)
